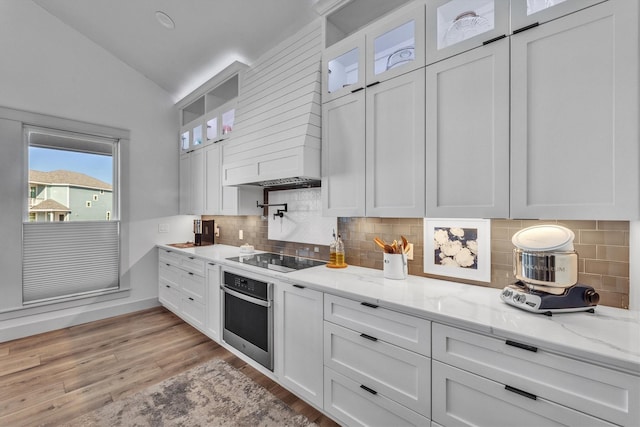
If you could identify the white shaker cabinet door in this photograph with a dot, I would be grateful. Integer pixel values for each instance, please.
(299, 341)
(213, 179)
(467, 134)
(343, 159)
(185, 184)
(574, 112)
(395, 148)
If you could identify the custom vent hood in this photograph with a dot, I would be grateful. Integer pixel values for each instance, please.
(277, 132)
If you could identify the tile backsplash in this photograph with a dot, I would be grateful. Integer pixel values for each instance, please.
(602, 246)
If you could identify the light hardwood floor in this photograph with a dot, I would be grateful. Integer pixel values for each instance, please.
(51, 378)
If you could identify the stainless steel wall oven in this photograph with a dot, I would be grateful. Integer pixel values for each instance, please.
(248, 317)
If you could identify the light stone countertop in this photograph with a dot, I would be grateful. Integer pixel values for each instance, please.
(609, 336)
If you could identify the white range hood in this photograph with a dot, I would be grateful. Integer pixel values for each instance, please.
(277, 135)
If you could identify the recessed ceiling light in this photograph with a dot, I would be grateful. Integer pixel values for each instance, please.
(165, 20)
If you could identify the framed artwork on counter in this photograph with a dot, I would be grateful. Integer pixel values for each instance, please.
(458, 247)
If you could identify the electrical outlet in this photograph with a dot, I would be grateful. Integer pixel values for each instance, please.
(163, 228)
(410, 252)
(240, 234)
(217, 231)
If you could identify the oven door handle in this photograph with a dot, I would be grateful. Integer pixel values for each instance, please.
(247, 298)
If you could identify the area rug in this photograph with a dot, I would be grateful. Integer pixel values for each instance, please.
(212, 394)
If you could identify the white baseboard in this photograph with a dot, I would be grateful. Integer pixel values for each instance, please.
(45, 322)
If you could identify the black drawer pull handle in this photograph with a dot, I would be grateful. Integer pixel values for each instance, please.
(495, 39)
(367, 304)
(373, 84)
(369, 337)
(168, 265)
(191, 257)
(370, 390)
(191, 299)
(528, 27)
(190, 274)
(298, 286)
(211, 263)
(357, 90)
(522, 346)
(168, 286)
(520, 392)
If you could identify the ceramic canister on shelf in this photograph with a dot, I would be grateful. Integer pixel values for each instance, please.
(395, 266)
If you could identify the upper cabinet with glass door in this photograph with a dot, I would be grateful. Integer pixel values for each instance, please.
(455, 26)
(390, 46)
(208, 114)
(527, 13)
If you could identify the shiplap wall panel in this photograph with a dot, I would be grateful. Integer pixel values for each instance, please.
(279, 106)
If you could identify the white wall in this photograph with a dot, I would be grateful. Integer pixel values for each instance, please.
(49, 68)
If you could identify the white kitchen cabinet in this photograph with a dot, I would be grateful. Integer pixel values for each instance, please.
(201, 190)
(212, 292)
(220, 121)
(377, 365)
(462, 399)
(395, 147)
(351, 404)
(537, 382)
(343, 160)
(467, 134)
(298, 326)
(389, 47)
(533, 12)
(373, 150)
(455, 26)
(192, 183)
(574, 116)
(181, 286)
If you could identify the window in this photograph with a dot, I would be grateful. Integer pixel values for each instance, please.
(69, 249)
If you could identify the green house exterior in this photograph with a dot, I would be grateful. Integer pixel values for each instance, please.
(68, 196)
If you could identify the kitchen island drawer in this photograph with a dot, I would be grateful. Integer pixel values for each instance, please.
(193, 286)
(599, 391)
(462, 399)
(166, 256)
(193, 264)
(193, 312)
(170, 273)
(352, 404)
(169, 296)
(398, 374)
(412, 333)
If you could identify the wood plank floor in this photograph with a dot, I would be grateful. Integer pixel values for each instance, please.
(51, 378)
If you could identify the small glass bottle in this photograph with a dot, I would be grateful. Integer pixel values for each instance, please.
(339, 251)
(332, 253)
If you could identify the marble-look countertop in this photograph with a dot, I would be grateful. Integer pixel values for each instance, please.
(610, 336)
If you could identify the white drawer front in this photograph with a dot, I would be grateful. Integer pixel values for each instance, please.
(193, 312)
(406, 331)
(391, 371)
(193, 286)
(169, 257)
(169, 273)
(601, 392)
(463, 399)
(193, 264)
(351, 405)
(169, 296)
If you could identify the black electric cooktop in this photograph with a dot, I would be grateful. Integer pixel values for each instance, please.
(277, 262)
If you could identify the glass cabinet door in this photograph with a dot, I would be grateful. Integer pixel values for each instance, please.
(531, 12)
(455, 26)
(395, 45)
(343, 68)
(212, 129)
(197, 136)
(227, 119)
(185, 141)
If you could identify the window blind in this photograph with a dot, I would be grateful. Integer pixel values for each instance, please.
(67, 259)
